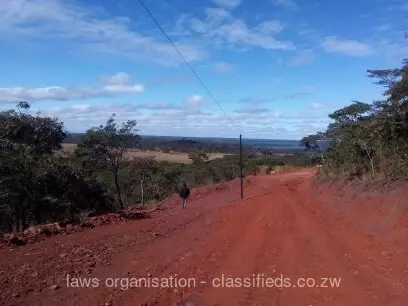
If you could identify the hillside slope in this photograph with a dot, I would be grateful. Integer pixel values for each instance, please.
(286, 226)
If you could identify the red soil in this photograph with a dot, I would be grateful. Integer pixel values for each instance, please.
(287, 225)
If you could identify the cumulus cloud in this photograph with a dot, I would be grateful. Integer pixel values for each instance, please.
(285, 3)
(333, 44)
(316, 106)
(255, 100)
(220, 26)
(270, 27)
(193, 101)
(277, 114)
(230, 4)
(190, 104)
(118, 79)
(110, 86)
(251, 110)
(174, 119)
(158, 106)
(88, 29)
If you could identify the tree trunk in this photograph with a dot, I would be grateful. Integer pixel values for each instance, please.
(371, 161)
(321, 154)
(118, 190)
(372, 167)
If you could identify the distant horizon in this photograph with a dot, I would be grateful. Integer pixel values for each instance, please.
(206, 137)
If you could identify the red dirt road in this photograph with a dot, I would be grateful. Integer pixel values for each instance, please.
(284, 227)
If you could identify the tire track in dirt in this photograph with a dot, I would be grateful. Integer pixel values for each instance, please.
(278, 258)
(241, 259)
(205, 255)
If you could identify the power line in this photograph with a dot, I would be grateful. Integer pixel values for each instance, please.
(186, 62)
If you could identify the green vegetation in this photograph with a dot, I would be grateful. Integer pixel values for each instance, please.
(40, 185)
(369, 140)
(174, 144)
(35, 185)
(104, 147)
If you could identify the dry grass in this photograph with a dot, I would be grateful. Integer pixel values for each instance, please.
(173, 157)
(67, 148)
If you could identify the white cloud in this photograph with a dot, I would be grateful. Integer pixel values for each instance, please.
(158, 106)
(316, 106)
(220, 26)
(230, 4)
(189, 105)
(270, 27)
(81, 107)
(118, 79)
(193, 101)
(222, 67)
(334, 44)
(238, 32)
(285, 3)
(277, 114)
(175, 119)
(255, 100)
(86, 28)
(251, 110)
(115, 85)
(215, 17)
(303, 58)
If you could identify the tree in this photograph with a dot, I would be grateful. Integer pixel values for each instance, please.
(22, 132)
(352, 113)
(25, 142)
(141, 171)
(105, 146)
(314, 142)
(354, 124)
(371, 137)
(198, 158)
(35, 185)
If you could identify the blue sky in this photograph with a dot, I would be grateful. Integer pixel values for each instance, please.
(277, 67)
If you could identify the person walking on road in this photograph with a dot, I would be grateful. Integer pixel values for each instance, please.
(184, 193)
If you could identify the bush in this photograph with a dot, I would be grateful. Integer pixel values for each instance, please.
(269, 169)
(35, 185)
(369, 140)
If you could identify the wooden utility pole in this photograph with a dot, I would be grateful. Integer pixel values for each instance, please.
(241, 166)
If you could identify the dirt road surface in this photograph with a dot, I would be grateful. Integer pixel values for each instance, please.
(281, 231)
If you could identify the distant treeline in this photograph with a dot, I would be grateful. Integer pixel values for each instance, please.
(188, 145)
(176, 144)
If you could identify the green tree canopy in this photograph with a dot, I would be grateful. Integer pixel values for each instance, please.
(105, 146)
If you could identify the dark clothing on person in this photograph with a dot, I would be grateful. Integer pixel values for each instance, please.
(185, 192)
